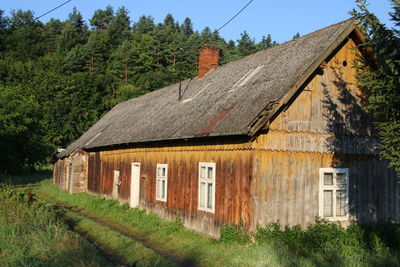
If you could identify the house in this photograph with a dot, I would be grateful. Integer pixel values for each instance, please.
(279, 135)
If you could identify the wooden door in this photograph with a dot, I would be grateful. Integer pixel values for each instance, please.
(135, 185)
(116, 184)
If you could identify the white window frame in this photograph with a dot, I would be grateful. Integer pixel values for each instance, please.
(207, 180)
(159, 179)
(334, 187)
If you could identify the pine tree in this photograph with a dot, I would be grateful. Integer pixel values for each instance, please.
(53, 30)
(119, 28)
(95, 51)
(26, 37)
(246, 45)
(145, 25)
(187, 27)
(3, 30)
(102, 18)
(123, 59)
(381, 80)
(74, 33)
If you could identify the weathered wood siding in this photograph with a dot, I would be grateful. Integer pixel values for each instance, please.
(325, 126)
(286, 187)
(71, 173)
(233, 181)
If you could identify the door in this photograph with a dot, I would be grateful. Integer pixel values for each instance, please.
(69, 178)
(116, 184)
(135, 185)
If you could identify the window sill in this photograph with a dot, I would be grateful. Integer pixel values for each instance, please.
(206, 210)
(336, 219)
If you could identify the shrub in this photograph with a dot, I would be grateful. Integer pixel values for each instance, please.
(324, 238)
(232, 234)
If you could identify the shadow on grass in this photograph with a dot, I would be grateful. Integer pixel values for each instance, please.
(24, 179)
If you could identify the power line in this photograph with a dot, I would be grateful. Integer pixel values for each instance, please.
(240, 11)
(66, 2)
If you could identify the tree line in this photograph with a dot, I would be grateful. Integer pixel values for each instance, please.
(58, 78)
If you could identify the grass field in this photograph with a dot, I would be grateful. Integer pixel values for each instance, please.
(322, 244)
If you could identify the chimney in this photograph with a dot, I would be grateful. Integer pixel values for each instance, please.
(208, 59)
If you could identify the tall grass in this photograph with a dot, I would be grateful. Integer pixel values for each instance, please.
(32, 234)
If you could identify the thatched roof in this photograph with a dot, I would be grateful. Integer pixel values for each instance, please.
(231, 100)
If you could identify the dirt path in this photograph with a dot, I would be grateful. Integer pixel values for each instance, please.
(106, 252)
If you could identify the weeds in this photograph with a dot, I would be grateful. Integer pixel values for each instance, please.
(33, 234)
(330, 243)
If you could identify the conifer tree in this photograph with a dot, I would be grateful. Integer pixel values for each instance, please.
(380, 80)
(53, 30)
(26, 37)
(246, 45)
(95, 51)
(102, 18)
(145, 25)
(123, 59)
(74, 32)
(119, 28)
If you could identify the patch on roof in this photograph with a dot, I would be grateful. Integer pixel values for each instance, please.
(245, 78)
(191, 98)
(213, 122)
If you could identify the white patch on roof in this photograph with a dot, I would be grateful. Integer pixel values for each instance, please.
(245, 78)
(92, 139)
(191, 98)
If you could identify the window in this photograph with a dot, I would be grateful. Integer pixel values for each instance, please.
(333, 193)
(162, 182)
(207, 186)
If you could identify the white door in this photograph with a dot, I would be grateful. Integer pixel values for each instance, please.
(116, 184)
(135, 185)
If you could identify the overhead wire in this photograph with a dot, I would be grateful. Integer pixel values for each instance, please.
(237, 14)
(57, 7)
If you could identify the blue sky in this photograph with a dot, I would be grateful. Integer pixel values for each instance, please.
(282, 19)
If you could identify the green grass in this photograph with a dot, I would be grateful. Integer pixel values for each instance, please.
(34, 235)
(131, 251)
(322, 244)
(170, 236)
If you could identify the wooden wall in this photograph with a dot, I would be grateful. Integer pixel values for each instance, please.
(286, 186)
(325, 126)
(233, 181)
(71, 173)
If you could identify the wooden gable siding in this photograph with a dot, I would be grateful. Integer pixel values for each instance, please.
(324, 126)
(326, 117)
(233, 181)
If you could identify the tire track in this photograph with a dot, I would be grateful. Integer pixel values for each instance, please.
(106, 252)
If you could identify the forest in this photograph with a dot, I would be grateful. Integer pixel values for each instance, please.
(58, 78)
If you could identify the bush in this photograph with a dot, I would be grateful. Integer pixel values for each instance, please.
(329, 242)
(231, 234)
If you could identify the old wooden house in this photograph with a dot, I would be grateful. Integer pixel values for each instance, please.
(279, 135)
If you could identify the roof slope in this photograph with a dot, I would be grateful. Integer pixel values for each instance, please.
(225, 102)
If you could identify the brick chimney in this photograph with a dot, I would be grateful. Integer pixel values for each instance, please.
(208, 59)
